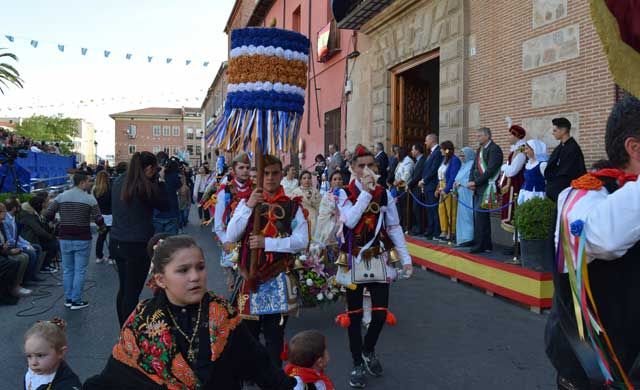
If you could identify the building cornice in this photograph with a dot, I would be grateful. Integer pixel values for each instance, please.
(396, 9)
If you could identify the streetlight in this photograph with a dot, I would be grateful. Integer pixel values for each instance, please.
(95, 144)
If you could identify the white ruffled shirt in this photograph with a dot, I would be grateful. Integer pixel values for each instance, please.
(610, 220)
(518, 161)
(33, 381)
(350, 215)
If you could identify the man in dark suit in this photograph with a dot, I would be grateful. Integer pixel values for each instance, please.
(382, 160)
(393, 164)
(483, 175)
(417, 212)
(566, 162)
(430, 183)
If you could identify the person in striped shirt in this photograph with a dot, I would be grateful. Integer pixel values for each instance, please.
(77, 208)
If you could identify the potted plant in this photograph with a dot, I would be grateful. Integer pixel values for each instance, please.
(534, 221)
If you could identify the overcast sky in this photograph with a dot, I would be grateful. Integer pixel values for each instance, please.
(178, 29)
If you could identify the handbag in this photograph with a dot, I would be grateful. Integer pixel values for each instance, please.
(373, 270)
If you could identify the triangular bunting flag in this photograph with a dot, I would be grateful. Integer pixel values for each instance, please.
(128, 56)
(169, 60)
(84, 51)
(9, 37)
(188, 62)
(61, 48)
(149, 58)
(34, 43)
(206, 64)
(106, 53)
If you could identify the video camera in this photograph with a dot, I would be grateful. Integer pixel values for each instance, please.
(10, 154)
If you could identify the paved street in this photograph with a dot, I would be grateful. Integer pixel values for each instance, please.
(449, 336)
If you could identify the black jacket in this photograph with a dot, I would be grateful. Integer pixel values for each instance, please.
(383, 165)
(492, 154)
(565, 164)
(104, 202)
(65, 379)
(416, 176)
(391, 171)
(132, 222)
(32, 228)
(430, 171)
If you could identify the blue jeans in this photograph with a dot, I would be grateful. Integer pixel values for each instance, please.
(34, 257)
(165, 225)
(75, 257)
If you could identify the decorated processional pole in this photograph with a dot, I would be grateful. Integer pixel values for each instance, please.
(267, 76)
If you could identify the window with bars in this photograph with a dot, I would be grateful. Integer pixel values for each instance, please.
(198, 149)
(190, 149)
(166, 131)
(198, 133)
(157, 130)
(189, 132)
(156, 149)
(132, 149)
(176, 131)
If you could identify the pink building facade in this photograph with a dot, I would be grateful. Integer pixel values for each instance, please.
(325, 111)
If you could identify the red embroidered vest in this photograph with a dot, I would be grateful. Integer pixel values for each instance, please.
(365, 230)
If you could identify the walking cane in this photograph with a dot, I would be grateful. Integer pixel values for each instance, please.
(516, 240)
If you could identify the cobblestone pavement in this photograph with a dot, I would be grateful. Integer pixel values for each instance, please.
(449, 335)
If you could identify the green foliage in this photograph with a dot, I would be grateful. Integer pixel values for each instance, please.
(49, 128)
(535, 218)
(22, 197)
(8, 74)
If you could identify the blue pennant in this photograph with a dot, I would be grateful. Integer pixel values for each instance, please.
(9, 37)
(84, 51)
(34, 43)
(128, 56)
(106, 53)
(61, 48)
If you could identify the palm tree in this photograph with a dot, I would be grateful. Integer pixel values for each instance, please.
(9, 74)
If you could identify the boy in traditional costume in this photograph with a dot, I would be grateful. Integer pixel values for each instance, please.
(592, 334)
(238, 186)
(373, 240)
(267, 294)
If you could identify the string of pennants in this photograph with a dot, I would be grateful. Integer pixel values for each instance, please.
(108, 53)
(96, 102)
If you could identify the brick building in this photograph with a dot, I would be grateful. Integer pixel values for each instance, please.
(213, 104)
(153, 129)
(451, 66)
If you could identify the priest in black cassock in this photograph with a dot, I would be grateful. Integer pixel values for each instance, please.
(566, 162)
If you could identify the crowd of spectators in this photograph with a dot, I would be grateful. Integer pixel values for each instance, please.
(13, 140)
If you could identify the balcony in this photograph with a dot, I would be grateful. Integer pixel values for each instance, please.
(328, 41)
(352, 14)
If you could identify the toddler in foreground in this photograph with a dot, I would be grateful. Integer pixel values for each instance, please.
(308, 358)
(45, 345)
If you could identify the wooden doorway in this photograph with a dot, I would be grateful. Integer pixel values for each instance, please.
(332, 124)
(415, 90)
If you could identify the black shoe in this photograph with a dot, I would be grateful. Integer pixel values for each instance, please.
(68, 303)
(372, 363)
(476, 249)
(79, 305)
(465, 244)
(358, 376)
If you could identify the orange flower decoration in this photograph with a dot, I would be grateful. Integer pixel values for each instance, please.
(587, 182)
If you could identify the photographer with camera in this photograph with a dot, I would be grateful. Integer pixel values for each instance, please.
(134, 196)
(166, 221)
